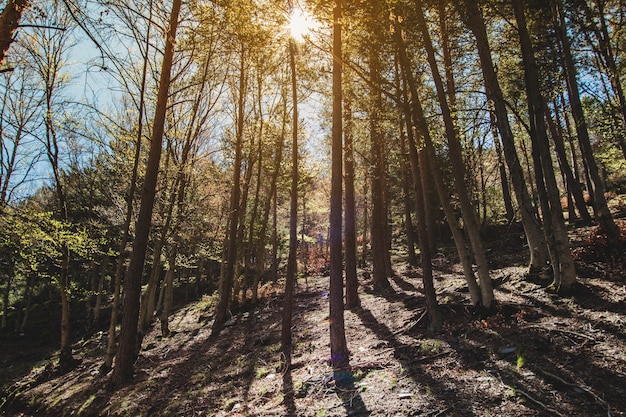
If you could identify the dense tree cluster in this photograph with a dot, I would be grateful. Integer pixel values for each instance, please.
(148, 147)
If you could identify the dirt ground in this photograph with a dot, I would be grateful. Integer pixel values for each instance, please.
(540, 355)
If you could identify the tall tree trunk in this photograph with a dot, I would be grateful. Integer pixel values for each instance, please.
(406, 194)
(504, 181)
(419, 172)
(228, 276)
(119, 268)
(290, 280)
(415, 112)
(262, 252)
(571, 184)
(458, 169)
(602, 212)
(530, 221)
(554, 224)
(352, 280)
(379, 242)
(339, 354)
(126, 354)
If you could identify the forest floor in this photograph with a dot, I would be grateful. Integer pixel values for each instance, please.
(540, 355)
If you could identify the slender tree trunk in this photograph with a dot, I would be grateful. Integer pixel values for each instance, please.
(380, 247)
(406, 191)
(352, 280)
(458, 169)
(28, 298)
(571, 184)
(338, 347)
(561, 256)
(415, 112)
(602, 212)
(504, 181)
(530, 221)
(293, 215)
(126, 354)
(228, 276)
(97, 308)
(419, 171)
(262, 252)
(168, 297)
(119, 269)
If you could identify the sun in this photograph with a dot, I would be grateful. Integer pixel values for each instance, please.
(300, 24)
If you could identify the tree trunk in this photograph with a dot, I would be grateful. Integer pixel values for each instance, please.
(168, 297)
(561, 256)
(227, 278)
(9, 21)
(530, 221)
(352, 280)
(415, 112)
(504, 181)
(458, 169)
(262, 252)
(339, 354)
(119, 269)
(290, 280)
(406, 194)
(126, 354)
(380, 247)
(571, 184)
(602, 212)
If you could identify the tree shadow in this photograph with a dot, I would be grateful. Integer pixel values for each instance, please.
(405, 354)
(351, 398)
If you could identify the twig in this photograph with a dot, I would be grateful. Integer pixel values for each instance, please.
(578, 386)
(425, 358)
(584, 336)
(412, 325)
(545, 407)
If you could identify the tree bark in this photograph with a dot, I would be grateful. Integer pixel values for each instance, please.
(9, 21)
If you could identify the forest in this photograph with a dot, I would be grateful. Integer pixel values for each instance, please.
(313, 207)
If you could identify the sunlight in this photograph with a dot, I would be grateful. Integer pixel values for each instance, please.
(301, 23)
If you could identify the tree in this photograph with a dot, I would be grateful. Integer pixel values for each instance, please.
(352, 280)
(601, 209)
(338, 347)
(530, 222)
(380, 242)
(47, 47)
(457, 166)
(554, 228)
(290, 279)
(119, 269)
(126, 353)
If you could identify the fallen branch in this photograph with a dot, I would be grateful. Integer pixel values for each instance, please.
(539, 403)
(411, 325)
(584, 336)
(579, 387)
